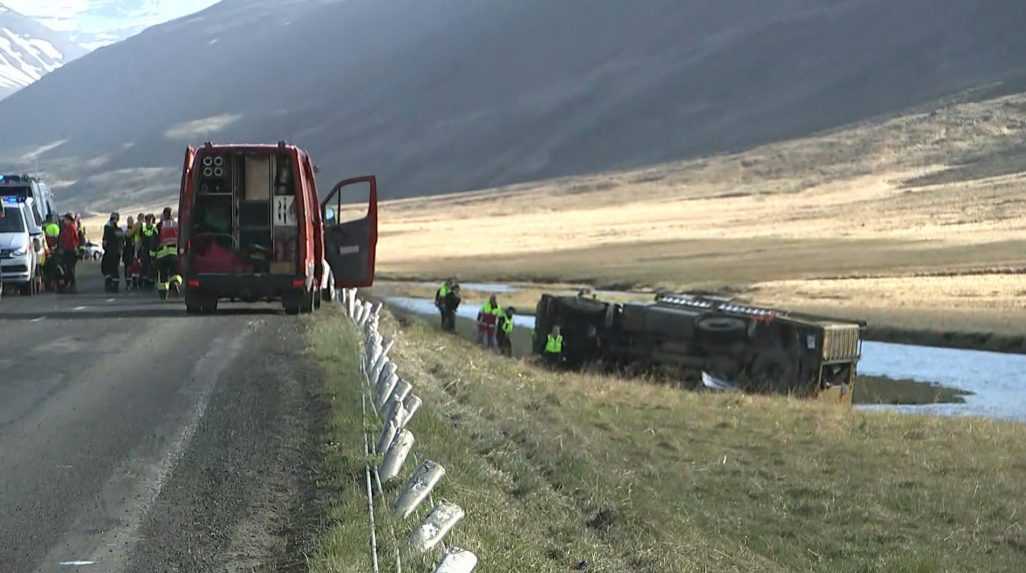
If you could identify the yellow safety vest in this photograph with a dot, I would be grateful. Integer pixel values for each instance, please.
(489, 309)
(507, 325)
(554, 345)
(443, 291)
(52, 230)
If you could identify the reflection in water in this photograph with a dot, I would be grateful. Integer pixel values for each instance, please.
(918, 379)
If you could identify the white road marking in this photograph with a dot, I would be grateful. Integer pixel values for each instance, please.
(78, 308)
(40, 319)
(112, 300)
(76, 563)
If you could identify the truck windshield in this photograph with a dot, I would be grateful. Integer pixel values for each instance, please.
(11, 221)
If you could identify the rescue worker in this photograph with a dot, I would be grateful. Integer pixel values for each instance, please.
(148, 245)
(68, 243)
(504, 332)
(128, 250)
(52, 232)
(113, 241)
(166, 254)
(447, 300)
(554, 347)
(486, 320)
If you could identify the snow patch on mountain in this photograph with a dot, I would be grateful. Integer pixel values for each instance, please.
(29, 50)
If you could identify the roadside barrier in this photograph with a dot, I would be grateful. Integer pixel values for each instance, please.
(393, 405)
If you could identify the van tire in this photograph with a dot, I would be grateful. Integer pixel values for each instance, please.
(721, 330)
(306, 301)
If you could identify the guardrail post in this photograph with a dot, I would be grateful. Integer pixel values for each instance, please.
(457, 561)
(418, 487)
(438, 523)
(396, 455)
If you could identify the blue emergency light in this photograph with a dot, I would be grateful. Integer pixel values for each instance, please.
(11, 200)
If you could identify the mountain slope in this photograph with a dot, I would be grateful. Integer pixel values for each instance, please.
(458, 94)
(29, 50)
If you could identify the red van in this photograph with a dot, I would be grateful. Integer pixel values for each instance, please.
(252, 227)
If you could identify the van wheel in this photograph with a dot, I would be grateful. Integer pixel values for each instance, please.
(717, 330)
(209, 304)
(307, 298)
(317, 298)
(26, 290)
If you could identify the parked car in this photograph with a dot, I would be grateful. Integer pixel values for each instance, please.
(251, 228)
(91, 251)
(21, 243)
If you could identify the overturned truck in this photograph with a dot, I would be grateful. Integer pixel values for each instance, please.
(708, 338)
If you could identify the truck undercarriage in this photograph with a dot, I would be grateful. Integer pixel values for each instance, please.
(754, 349)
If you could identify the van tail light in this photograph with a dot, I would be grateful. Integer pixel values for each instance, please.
(298, 283)
(192, 283)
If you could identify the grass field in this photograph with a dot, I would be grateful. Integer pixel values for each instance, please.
(563, 471)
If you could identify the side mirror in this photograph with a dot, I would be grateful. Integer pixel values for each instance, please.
(329, 216)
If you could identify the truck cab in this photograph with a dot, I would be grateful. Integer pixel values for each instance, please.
(252, 227)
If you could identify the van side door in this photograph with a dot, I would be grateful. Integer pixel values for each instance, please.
(351, 246)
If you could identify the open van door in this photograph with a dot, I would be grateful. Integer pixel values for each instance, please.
(185, 202)
(350, 247)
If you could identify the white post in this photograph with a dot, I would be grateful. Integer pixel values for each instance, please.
(418, 487)
(396, 456)
(438, 523)
(457, 561)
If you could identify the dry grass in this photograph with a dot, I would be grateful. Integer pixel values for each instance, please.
(559, 469)
(928, 193)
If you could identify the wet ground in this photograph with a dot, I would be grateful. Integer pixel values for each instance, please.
(907, 378)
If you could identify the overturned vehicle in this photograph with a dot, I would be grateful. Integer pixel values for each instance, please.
(709, 339)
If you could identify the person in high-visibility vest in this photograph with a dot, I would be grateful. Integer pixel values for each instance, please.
(447, 300)
(166, 254)
(51, 265)
(504, 333)
(487, 318)
(554, 347)
(149, 243)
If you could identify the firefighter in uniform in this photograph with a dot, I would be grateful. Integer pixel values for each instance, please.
(504, 332)
(166, 255)
(149, 243)
(50, 268)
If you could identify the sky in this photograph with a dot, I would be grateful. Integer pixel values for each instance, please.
(95, 23)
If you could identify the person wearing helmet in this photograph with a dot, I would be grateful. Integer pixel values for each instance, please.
(110, 266)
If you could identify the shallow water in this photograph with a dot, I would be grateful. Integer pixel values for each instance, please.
(996, 382)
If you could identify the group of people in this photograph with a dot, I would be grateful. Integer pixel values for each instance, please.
(60, 257)
(494, 323)
(145, 252)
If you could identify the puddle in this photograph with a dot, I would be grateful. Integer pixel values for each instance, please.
(915, 379)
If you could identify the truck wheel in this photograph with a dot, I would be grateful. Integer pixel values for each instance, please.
(720, 330)
(26, 290)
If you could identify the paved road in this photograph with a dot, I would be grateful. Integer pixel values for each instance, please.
(138, 438)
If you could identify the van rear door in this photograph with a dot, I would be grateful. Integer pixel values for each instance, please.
(351, 246)
(185, 199)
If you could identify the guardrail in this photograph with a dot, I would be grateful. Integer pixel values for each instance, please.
(393, 405)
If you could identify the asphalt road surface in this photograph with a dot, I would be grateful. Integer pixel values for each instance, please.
(136, 438)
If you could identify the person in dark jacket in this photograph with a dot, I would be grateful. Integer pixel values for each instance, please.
(113, 242)
(447, 300)
(504, 332)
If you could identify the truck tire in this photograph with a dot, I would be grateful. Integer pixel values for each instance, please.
(721, 330)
